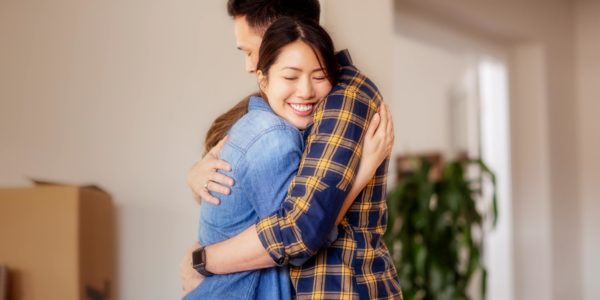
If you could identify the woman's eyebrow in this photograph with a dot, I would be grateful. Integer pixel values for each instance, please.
(291, 68)
(299, 70)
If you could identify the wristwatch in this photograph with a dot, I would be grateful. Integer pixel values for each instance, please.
(199, 262)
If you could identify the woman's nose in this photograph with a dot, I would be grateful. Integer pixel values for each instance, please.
(306, 89)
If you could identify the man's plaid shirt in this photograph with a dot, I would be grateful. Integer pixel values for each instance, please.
(357, 264)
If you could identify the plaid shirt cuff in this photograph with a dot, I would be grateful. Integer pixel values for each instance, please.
(267, 235)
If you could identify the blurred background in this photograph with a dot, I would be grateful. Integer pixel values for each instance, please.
(120, 94)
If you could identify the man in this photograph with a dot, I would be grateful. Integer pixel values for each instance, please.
(357, 264)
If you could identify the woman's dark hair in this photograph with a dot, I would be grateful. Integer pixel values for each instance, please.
(285, 31)
(281, 33)
(261, 13)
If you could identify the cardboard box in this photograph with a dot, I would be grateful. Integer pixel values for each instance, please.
(57, 242)
(3, 283)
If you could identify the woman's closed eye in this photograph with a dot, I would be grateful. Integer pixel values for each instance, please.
(318, 75)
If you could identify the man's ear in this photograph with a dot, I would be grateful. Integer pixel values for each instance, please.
(262, 80)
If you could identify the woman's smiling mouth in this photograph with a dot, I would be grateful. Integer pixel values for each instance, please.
(302, 109)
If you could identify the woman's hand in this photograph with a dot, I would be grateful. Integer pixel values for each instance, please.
(377, 146)
(204, 178)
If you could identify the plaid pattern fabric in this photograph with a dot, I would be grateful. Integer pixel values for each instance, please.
(357, 265)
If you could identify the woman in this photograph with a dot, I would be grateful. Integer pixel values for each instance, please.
(296, 70)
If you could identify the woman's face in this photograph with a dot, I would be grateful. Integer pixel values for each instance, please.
(295, 84)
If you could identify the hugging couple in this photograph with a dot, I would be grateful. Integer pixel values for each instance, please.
(299, 170)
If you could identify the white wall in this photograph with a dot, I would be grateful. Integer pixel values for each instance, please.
(425, 79)
(531, 174)
(119, 93)
(415, 79)
(370, 41)
(588, 73)
(553, 173)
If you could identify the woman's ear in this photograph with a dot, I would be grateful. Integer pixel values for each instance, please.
(262, 80)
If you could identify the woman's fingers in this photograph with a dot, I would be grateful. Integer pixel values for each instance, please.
(384, 119)
(375, 121)
(389, 133)
(385, 132)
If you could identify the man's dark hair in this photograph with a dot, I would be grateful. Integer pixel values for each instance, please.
(261, 13)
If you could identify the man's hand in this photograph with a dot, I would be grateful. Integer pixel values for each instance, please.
(204, 178)
(190, 279)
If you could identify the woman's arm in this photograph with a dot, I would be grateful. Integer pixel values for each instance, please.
(377, 146)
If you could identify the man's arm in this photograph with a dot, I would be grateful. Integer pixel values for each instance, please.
(244, 252)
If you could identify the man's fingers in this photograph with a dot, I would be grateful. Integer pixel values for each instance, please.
(218, 164)
(207, 197)
(217, 188)
(197, 197)
(216, 150)
(221, 180)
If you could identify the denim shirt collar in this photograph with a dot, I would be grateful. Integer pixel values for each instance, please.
(258, 103)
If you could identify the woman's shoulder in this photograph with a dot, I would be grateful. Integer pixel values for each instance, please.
(259, 125)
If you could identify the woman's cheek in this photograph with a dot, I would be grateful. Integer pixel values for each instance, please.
(287, 89)
(323, 90)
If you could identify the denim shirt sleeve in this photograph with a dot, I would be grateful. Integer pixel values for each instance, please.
(270, 163)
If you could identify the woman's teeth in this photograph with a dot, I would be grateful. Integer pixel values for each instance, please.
(302, 107)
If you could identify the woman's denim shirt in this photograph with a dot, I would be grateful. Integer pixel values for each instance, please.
(264, 152)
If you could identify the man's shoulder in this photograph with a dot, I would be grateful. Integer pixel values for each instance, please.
(352, 82)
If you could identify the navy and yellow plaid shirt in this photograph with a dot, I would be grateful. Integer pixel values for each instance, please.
(357, 264)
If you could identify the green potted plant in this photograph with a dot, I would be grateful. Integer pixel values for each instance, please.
(436, 229)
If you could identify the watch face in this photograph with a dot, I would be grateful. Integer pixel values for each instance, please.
(197, 257)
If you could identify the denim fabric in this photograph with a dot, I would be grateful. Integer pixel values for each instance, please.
(264, 152)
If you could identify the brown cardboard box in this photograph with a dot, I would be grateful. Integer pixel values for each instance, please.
(3, 283)
(57, 241)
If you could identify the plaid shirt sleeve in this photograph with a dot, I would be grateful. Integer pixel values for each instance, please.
(301, 226)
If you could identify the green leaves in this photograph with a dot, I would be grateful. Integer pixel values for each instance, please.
(436, 230)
